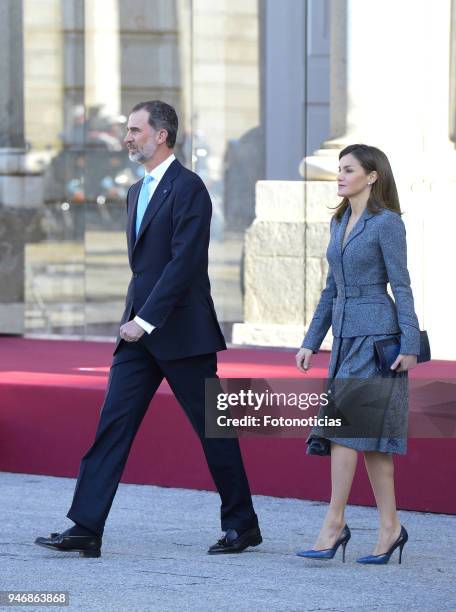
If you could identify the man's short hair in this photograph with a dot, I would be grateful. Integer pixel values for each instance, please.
(162, 116)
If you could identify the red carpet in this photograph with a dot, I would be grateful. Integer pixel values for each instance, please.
(51, 393)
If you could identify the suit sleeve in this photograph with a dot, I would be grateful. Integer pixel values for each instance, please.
(392, 237)
(189, 244)
(321, 320)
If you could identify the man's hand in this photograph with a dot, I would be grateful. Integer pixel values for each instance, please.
(405, 362)
(131, 331)
(303, 359)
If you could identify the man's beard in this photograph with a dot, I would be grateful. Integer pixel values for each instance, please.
(136, 156)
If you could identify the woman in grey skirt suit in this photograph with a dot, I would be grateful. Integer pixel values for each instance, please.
(367, 249)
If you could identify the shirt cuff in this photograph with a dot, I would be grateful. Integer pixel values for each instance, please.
(147, 327)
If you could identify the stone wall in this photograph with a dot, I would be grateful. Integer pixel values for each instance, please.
(285, 262)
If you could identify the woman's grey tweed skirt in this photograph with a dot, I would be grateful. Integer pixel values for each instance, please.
(353, 358)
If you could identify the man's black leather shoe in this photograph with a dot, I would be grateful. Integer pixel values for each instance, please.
(86, 546)
(232, 542)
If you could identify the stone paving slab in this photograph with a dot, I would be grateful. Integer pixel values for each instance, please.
(154, 555)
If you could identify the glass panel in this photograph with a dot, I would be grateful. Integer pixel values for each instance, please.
(249, 106)
(227, 145)
(55, 137)
(141, 52)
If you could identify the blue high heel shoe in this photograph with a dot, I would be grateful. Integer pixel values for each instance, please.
(328, 553)
(385, 557)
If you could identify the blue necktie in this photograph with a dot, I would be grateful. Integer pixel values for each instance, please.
(143, 201)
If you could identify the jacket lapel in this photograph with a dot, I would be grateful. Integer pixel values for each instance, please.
(355, 230)
(160, 194)
(158, 199)
(132, 216)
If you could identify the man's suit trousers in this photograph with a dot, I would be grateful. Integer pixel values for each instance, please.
(134, 378)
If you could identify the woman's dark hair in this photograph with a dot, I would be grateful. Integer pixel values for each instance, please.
(162, 116)
(383, 192)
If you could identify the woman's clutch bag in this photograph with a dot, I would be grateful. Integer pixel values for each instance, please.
(386, 351)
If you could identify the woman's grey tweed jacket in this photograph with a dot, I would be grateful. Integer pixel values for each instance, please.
(355, 300)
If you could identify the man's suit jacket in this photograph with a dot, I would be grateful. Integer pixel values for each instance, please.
(374, 254)
(170, 285)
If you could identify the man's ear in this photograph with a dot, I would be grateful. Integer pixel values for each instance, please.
(162, 136)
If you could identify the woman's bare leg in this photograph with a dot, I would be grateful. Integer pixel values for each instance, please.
(380, 468)
(343, 466)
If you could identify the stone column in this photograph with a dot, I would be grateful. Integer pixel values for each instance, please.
(20, 190)
(43, 74)
(102, 56)
(380, 92)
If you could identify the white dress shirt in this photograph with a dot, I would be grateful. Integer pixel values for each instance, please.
(157, 175)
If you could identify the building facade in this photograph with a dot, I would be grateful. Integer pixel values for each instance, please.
(267, 94)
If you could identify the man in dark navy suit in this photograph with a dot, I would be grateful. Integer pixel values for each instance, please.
(169, 330)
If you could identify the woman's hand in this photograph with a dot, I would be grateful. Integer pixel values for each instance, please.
(303, 359)
(405, 363)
